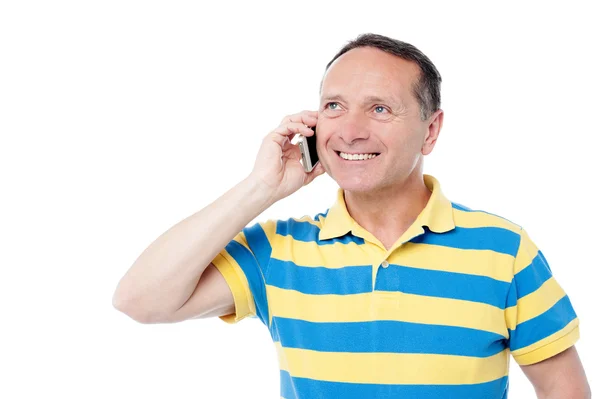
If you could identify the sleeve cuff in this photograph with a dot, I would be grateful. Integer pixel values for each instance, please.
(549, 350)
(238, 284)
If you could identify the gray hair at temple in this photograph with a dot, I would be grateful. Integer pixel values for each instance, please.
(426, 89)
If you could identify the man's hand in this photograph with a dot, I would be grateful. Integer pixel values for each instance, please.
(277, 165)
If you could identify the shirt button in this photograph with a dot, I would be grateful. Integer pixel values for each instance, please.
(385, 264)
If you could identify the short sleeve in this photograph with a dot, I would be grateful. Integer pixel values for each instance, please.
(244, 263)
(540, 318)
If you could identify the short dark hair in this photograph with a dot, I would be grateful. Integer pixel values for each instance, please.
(426, 89)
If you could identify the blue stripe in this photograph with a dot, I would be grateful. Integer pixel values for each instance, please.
(460, 207)
(388, 336)
(549, 322)
(259, 244)
(494, 239)
(251, 269)
(320, 280)
(308, 232)
(533, 276)
(288, 390)
(254, 264)
(443, 284)
(357, 280)
(323, 215)
(305, 388)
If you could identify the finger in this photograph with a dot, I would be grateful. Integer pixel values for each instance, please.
(308, 118)
(285, 132)
(289, 146)
(298, 116)
(294, 128)
(292, 151)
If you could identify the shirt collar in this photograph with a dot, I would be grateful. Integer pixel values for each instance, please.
(437, 214)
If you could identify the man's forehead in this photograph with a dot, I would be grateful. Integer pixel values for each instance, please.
(366, 85)
(365, 88)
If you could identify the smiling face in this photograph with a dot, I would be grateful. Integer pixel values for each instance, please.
(369, 132)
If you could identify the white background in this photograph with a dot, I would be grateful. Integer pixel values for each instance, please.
(120, 118)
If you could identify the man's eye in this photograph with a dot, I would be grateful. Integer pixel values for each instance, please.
(382, 108)
(328, 104)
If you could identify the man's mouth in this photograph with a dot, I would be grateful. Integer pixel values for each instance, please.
(357, 156)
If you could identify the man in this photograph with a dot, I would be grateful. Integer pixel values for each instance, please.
(393, 292)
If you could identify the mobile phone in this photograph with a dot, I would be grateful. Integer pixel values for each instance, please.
(308, 149)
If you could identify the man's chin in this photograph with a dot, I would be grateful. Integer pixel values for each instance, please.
(356, 184)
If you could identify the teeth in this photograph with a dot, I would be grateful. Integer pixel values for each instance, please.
(357, 157)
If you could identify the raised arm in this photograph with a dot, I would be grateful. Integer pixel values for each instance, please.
(173, 279)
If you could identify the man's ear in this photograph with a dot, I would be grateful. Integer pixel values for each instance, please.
(433, 131)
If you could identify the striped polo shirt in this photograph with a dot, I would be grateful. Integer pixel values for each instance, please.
(435, 316)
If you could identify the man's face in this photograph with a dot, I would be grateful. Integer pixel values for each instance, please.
(367, 107)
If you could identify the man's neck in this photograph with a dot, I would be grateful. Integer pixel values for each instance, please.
(389, 212)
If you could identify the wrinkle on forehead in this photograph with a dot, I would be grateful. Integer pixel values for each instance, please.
(367, 71)
(365, 87)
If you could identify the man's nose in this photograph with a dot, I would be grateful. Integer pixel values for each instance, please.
(354, 127)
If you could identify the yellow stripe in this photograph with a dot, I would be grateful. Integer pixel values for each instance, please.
(510, 315)
(482, 219)
(534, 304)
(436, 257)
(527, 253)
(431, 257)
(240, 238)
(386, 306)
(548, 346)
(311, 254)
(392, 368)
(237, 282)
(310, 220)
(422, 256)
(270, 228)
(539, 301)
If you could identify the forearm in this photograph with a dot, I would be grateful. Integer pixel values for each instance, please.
(165, 275)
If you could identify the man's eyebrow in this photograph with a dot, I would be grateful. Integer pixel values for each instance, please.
(368, 99)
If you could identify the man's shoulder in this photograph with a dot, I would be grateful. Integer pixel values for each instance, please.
(293, 223)
(465, 216)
